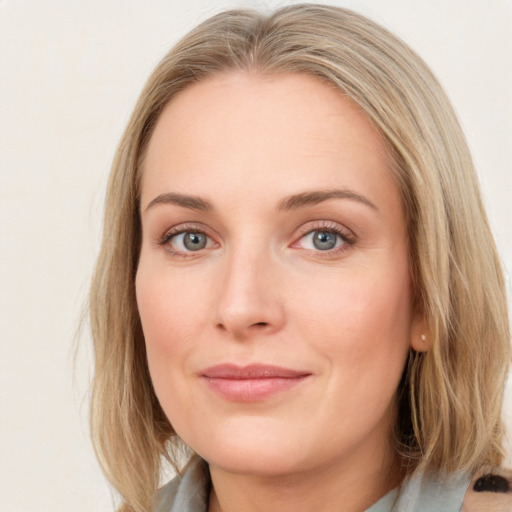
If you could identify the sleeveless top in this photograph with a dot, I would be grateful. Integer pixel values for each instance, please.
(487, 491)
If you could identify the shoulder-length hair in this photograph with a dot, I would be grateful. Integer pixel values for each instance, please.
(451, 396)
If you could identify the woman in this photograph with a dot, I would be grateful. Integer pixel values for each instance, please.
(297, 279)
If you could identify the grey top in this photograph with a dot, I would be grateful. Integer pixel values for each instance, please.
(189, 493)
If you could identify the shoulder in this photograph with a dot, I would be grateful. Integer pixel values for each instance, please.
(187, 492)
(166, 495)
(490, 490)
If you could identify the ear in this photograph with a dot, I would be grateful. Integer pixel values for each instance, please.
(421, 337)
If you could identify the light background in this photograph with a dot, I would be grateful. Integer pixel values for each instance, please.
(70, 72)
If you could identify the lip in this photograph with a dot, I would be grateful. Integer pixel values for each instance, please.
(252, 383)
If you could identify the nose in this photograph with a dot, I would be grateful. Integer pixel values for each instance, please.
(250, 296)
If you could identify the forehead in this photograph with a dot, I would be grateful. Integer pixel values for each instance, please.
(251, 132)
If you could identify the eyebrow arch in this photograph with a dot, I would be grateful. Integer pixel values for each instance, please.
(318, 196)
(190, 202)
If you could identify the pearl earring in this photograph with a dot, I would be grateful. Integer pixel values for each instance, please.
(423, 337)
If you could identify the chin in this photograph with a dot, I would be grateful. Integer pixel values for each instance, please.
(256, 463)
(251, 449)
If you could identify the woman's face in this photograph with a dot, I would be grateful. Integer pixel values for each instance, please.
(273, 284)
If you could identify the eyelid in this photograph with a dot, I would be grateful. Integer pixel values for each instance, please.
(348, 236)
(192, 227)
(180, 228)
(327, 225)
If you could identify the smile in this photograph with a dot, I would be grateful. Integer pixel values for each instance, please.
(251, 383)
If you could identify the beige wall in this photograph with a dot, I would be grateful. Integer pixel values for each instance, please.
(69, 74)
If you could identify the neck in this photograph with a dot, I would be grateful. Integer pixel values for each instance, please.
(344, 486)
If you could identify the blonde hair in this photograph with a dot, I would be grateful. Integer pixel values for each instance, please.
(451, 396)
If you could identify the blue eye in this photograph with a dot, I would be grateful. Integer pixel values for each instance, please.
(189, 241)
(194, 241)
(322, 240)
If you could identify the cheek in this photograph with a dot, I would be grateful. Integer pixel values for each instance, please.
(363, 334)
(171, 309)
(361, 321)
(173, 315)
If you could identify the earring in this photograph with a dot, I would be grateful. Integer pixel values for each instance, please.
(423, 337)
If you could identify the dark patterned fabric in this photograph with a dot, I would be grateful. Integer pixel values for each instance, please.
(490, 491)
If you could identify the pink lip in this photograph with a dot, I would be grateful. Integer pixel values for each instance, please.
(251, 383)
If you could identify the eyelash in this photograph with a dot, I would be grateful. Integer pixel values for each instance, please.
(179, 230)
(348, 238)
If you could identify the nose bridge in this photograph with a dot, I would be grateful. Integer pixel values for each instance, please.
(248, 299)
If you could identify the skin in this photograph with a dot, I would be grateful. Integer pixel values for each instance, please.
(260, 291)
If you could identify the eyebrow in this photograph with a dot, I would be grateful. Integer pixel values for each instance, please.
(190, 202)
(319, 196)
(292, 202)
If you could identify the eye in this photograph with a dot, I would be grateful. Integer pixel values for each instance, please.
(189, 241)
(184, 240)
(322, 240)
(325, 237)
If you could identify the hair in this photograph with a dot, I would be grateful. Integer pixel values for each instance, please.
(451, 396)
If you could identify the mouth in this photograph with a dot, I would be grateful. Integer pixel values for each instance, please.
(251, 383)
